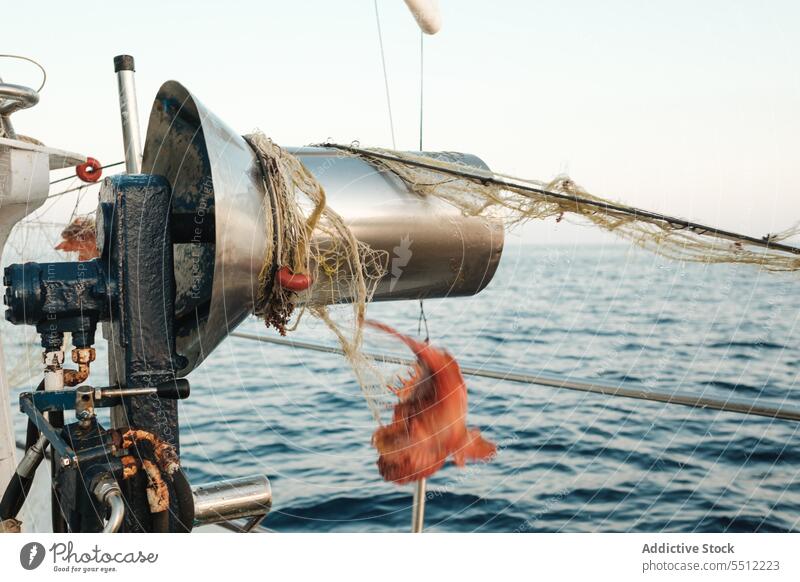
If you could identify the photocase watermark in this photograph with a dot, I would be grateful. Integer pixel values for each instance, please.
(31, 555)
(402, 255)
(65, 558)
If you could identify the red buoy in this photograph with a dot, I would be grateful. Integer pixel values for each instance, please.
(91, 171)
(291, 281)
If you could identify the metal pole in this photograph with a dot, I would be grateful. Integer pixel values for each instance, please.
(418, 509)
(567, 383)
(129, 111)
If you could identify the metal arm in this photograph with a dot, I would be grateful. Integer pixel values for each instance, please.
(129, 111)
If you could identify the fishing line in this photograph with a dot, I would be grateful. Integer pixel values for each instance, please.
(633, 391)
(385, 74)
(423, 319)
(57, 194)
(421, 82)
(418, 499)
(73, 177)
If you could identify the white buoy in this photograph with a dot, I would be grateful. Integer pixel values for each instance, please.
(427, 15)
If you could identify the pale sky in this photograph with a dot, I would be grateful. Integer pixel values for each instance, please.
(689, 108)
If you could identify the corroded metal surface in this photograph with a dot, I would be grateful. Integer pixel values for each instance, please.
(129, 466)
(83, 357)
(232, 499)
(157, 492)
(164, 453)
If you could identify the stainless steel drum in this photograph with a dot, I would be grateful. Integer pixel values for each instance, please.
(220, 209)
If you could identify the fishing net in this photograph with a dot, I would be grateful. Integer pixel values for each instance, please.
(513, 201)
(311, 239)
(80, 236)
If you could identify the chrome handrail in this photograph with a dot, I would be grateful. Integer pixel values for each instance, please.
(15, 97)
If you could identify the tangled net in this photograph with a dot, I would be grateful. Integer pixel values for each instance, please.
(514, 201)
(80, 236)
(311, 239)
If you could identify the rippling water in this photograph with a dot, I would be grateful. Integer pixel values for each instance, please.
(567, 461)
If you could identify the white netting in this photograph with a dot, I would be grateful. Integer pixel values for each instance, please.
(562, 198)
(312, 239)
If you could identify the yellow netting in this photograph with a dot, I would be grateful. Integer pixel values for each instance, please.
(312, 239)
(514, 202)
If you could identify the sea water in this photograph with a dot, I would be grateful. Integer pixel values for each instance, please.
(567, 461)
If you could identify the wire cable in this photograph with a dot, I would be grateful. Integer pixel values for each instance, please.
(421, 82)
(520, 186)
(73, 177)
(385, 74)
(57, 194)
(41, 68)
(563, 382)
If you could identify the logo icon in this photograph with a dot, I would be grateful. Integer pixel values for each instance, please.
(402, 254)
(31, 555)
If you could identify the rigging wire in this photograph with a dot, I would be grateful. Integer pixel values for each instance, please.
(423, 322)
(520, 186)
(81, 187)
(423, 319)
(33, 218)
(421, 81)
(385, 74)
(30, 60)
(418, 500)
(73, 177)
(563, 382)
(78, 199)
